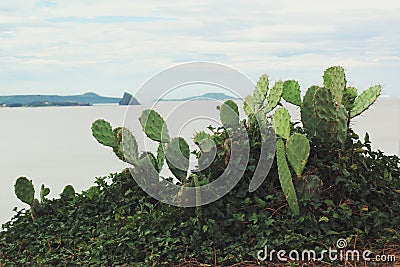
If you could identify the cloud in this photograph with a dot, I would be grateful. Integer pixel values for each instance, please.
(113, 46)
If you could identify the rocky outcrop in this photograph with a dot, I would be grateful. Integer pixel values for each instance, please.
(128, 99)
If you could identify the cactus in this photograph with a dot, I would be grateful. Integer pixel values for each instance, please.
(68, 192)
(229, 114)
(154, 126)
(160, 157)
(281, 122)
(260, 92)
(349, 96)
(274, 96)
(24, 190)
(285, 178)
(249, 106)
(298, 151)
(335, 81)
(129, 146)
(291, 92)
(44, 191)
(177, 155)
(365, 100)
(322, 118)
(102, 131)
(204, 141)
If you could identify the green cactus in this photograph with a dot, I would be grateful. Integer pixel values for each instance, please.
(160, 157)
(349, 96)
(229, 114)
(44, 191)
(260, 92)
(285, 178)
(204, 141)
(365, 100)
(154, 126)
(281, 122)
(249, 106)
(102, 131)
(24, 190)
(323, 119)
(68, 192)
(130, 150)
(298, 151)
(335, 81)
(291, 92)
(177, 156)
(118, 150)
(274, 96)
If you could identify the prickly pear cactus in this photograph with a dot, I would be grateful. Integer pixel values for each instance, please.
(177, 155)
(298, 151)
(68, 192)
(285, 178)
(130, 150)
(324, 120)
(103, 133)
(335, 81)
(24, 190)
(260, 92)
(154, 126)
(365, 100)
(44, 191)
(249, 106)
(281, 122)
(160, 157)
(349, 96)
(291, 92)
(229, 114)
(275, 95)
(204, 141)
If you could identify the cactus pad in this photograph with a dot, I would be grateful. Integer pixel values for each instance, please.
(298, 151)
(285, 178)
(24, 190)
(154, 126)
(274, 96)
(365, 100)
(260, 92)
(291, 92)
(177, 155)
(229, 114)
(160, 157)
(129, 146)
(349, 96)
(68, 192)
(281, 122)
(335, 81)
(44, 191)
(102, 131)
(249, 106)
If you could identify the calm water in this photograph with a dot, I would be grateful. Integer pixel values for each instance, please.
(54, 145)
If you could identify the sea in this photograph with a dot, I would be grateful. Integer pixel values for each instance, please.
(54, 145)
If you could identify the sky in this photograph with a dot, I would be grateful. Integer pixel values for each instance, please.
(72, 47)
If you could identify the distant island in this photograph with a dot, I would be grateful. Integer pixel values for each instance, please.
(86, 99)
(208, 96)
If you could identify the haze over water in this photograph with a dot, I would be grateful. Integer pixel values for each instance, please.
(54, 146)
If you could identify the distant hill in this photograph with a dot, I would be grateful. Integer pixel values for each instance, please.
(33, 100)
(208, 96)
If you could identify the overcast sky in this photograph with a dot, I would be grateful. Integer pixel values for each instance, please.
(68, 47)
